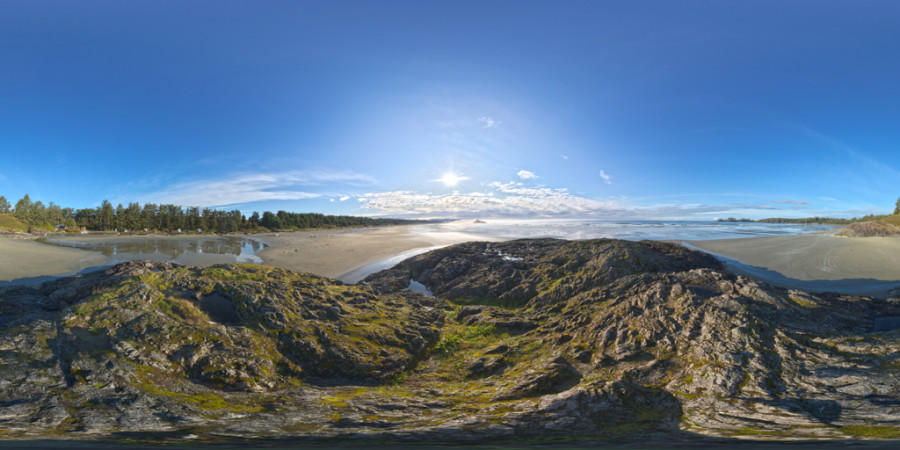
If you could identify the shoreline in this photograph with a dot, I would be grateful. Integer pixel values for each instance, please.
(25, 261)
(816, 262)
(344, 254)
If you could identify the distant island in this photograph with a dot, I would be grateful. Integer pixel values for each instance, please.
(29, 216)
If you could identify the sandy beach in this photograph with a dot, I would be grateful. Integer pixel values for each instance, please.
(24, 260)
(329, 253)
(334, 253)
(815, 262)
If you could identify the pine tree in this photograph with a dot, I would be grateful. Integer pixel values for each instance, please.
(23, 210)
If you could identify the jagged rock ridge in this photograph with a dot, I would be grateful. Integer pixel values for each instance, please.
(524, 338)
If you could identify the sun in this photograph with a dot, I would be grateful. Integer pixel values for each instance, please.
(451, 179)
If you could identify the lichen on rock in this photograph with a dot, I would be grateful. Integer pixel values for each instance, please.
(523, 340)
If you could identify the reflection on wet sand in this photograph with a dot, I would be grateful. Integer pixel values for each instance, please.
(240, 249)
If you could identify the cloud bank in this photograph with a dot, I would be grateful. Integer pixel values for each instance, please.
(254, 187)
(515, 199)
(503, 199)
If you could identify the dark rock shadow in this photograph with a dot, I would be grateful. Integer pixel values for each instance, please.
(825, 411)
(220, 309)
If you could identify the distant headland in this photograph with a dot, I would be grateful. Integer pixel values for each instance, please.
(866, 226)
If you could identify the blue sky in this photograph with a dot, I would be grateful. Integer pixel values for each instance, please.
(608, 110)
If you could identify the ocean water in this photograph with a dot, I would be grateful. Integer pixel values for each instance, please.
(505, 229)
(629, 230)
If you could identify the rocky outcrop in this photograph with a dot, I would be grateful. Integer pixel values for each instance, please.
(148, 332)
(553, 376)
(530, 339)
(535, 271)
(870, 228)
(740, 357)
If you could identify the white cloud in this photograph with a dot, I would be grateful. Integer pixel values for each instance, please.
(564, 157)
(606, 178)
(489, 122)
(791, 202)
(514, 199)
(507, 199)
(253, 187)
(526, 175)
(344, 198)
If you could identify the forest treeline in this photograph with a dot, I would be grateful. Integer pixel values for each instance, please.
(29, 215)
(811, 220)
(891, 218)
(823, 220)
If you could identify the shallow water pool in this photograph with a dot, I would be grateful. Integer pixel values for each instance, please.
(195, 251)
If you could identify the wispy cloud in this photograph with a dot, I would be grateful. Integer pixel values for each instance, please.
(527, 175)
(564, 157)
(489, 122)
(344, 198)
(254, 187)
(606, 178)
(850, 151)
(791, 202)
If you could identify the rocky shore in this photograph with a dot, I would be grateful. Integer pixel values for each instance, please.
(523, 341)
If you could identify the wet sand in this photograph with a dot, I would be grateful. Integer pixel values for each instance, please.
(335, 253)
(814, 262)
(330, 253)
(818, 262)
(24, 261)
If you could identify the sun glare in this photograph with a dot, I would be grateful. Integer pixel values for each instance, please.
(451, 179)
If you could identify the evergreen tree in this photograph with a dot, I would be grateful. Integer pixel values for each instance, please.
(23, 210)
(107, 214)
(270, 221)
(37, 214)
(71, 226)
(4, 205)
(896, 208)
(55, 214)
